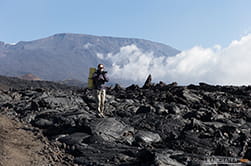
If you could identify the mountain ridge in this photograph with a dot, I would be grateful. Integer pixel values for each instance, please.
(83, 35)
(68, 55)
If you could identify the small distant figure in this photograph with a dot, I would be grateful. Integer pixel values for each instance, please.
(148, 82)
(99, 79)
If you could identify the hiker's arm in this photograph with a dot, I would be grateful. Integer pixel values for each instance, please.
(105, 77)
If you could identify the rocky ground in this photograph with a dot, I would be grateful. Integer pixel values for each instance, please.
(21, 146)
(158, 124)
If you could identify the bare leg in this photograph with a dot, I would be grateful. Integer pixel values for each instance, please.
(103, 94)
(98, 101)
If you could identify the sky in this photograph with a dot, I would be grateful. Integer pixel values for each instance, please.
(214, 36)
(181, 24)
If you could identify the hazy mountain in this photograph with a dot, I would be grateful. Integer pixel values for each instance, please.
(67, 56)
(30, 76)
(76, 83)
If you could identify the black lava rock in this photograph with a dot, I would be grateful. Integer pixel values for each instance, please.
(162, 124)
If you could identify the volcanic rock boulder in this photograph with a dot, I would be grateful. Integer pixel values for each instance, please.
(147, 137)
(111, 130)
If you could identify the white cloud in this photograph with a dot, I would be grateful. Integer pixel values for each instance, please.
(10, 44)
(217, 65)
(87, 45)
(100, 56)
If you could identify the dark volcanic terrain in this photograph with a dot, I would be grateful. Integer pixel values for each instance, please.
(158, 124)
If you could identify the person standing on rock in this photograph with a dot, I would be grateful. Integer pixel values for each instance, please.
(99, 79)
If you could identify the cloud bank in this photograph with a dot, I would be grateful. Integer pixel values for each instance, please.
(217, 65)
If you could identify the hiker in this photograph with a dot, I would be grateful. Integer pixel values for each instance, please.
(99, 79)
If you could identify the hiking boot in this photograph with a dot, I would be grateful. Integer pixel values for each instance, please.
(101, 115)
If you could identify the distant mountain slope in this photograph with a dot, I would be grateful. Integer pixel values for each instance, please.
(30, 77)
(67, 56)
(17, 83)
